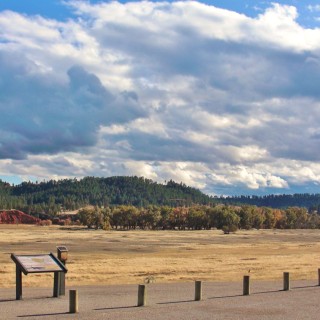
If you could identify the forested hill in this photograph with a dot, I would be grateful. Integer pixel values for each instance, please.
(70, 194)
(306, 200)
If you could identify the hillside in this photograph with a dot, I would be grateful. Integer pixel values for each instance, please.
(69, 194)
(54, 196)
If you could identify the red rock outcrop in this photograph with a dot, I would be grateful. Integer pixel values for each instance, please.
(16, 217)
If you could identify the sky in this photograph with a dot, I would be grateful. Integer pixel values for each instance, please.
(223, 96)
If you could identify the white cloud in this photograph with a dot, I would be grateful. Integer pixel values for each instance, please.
(313, 8)
(249, 177)
(140, 169)
(181, 90)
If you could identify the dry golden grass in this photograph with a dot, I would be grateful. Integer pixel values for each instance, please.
(123, 257)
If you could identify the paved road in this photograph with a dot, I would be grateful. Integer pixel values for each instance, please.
(169, 301)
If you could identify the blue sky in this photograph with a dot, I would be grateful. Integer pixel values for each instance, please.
(222, 95)
(57, 10)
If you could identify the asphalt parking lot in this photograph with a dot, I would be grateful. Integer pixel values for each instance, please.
(169, 301)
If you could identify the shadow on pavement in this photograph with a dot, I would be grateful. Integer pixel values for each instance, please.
(265, 292)
(222, 297)
(43, 314)
(7, 300)
(173, 302)
(115, 308)
(305, 287)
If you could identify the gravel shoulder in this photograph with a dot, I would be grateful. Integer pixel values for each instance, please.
(221, 300)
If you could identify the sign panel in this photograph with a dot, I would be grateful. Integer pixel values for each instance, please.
(38, 263)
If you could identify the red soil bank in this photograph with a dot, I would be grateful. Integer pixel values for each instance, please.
(16, 217)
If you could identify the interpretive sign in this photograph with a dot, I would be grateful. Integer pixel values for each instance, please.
(37, 263)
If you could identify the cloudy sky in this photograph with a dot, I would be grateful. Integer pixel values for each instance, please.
(221, 95)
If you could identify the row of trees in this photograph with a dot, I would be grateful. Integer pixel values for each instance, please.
(226, 217)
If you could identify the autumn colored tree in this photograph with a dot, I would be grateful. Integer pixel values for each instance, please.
(178, 218)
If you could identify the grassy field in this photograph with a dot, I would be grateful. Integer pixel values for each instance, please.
(125, 257)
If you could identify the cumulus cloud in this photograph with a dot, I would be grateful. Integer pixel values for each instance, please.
(183, 90)
(41, 115)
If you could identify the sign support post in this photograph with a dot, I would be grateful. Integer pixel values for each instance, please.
(62, 253)
(56, 284)
(18, 283)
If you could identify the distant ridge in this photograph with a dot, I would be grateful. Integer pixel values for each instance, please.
(282, 201)
(55, 196)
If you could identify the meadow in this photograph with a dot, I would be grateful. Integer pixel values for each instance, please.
(98, 257)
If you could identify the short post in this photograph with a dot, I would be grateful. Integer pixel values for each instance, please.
(286, 281)
(318, 277)
(198, 291)
(142, 293)
(246, 285)
(73, 301)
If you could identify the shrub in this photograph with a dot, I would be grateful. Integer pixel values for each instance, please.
(230, 228)
(43, 223)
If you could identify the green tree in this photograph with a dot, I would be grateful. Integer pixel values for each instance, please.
(95, 217)
(197, 218)
(295, 218)
(230, 220)
(246, 217)
(165, 213)
(125, 217)
(313, 221)
(269, 218)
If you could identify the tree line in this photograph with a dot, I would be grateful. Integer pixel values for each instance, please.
(225, 217)
(307, 200)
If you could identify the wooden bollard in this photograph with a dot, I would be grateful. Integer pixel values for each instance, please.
(286, 281)
(318, 277)
(73, 301)
(142, 295)
(198, 291)
(246, 285)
